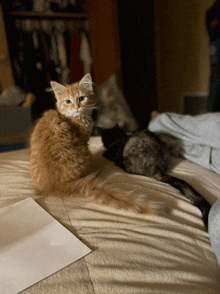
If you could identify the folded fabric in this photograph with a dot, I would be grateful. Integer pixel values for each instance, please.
(200, 136)
(214, 228)
(12, 96)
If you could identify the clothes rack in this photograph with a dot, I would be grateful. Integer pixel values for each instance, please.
(47, 46)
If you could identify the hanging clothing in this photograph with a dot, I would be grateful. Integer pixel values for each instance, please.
(85, 54)
(76, 67)
(43, 50)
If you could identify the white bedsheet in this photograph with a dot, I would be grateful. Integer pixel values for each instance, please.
(132, 253)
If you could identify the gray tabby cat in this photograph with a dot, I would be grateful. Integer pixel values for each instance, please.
(112, 107)
(143, 152)
(147, 154)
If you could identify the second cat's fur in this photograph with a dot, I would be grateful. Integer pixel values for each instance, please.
(113, 109)
(60, 159)
(149, 154)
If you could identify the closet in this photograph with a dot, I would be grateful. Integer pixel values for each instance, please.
(6, 75)
(121, 40)
(47, 46)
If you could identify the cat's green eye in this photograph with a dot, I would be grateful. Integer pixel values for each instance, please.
(81, 98)
(68, 101)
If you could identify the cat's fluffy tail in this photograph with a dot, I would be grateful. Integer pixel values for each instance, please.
(98, 191)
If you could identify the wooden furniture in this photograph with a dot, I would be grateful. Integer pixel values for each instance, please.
(104, 37)
(6, 75)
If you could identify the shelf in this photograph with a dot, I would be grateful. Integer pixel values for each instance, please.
(14, 139)
(29, 14)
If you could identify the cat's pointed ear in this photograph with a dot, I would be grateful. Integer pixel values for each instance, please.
(86, 83)
(113, 79)
(57, 88)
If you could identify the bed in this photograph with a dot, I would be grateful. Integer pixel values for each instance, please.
(131, 253)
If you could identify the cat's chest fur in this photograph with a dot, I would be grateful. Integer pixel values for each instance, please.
(61, 127)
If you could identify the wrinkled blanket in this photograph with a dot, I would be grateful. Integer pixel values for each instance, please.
(200, 136)
(131, 253)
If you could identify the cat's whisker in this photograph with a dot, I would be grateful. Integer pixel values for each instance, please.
(86, 114)
(86, 117)
(87, 111)
(89, 106)
(92, 104)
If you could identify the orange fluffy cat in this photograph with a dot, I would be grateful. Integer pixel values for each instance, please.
(60, 160)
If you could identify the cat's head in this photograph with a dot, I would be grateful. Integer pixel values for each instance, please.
(76, 100)
(113, 108)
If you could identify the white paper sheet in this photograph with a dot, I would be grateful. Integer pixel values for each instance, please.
(33, 245)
